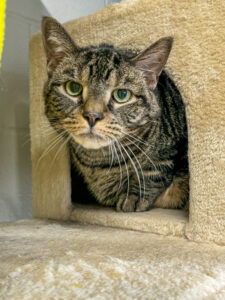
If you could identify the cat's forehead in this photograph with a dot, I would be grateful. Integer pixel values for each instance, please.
(104, 54)
(103, 67)
(99, 65)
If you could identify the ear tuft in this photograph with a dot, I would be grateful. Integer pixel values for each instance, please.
(152, 60)
(57, 42)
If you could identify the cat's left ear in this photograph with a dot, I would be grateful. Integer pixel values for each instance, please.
(152, 60)
(57, 42)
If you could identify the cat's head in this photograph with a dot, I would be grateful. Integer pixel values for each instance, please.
(98, 95)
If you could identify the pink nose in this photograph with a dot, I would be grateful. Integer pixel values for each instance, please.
(93, 117)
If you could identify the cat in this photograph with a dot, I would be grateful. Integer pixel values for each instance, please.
(122, 117)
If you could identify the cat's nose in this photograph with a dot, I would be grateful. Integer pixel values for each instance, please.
(93, 117)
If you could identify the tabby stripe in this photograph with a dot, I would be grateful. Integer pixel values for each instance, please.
(108, 72)
(168, 119)
(69, 72)
(109, 197)
(90, 71)
(145, 102)
(109, 187)
(116, 60)
(175, 94)
(58, 104)
(83, 161)
(55, 84)
(146, 135)
(166, 116)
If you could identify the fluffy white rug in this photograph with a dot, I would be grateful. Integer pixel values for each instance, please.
(50, 260)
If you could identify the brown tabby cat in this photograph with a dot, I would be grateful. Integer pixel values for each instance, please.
(123, 118)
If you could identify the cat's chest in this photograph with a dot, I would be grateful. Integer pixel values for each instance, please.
(93, 168)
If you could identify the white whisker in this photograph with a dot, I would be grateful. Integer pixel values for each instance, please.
(51, 146)
(140, 169)
(145, 155)
(60, 149)
(135, 138)
(128, 178)
(112, 156)
(142, 152)
(121, 172)
(135, 168)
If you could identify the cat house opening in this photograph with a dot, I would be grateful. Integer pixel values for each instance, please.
(88, 211)
(80, 194)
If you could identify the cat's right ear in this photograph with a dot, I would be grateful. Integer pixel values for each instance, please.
(57, 42)
(152, 60)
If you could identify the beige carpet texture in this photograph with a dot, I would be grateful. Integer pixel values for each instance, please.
(46, 260)
(197, 64)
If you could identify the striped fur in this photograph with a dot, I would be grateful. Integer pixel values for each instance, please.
(137, 152)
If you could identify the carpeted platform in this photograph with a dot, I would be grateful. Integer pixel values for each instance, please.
(54, 260)
(161, 221)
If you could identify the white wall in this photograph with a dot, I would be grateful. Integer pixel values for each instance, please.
(72, 9)
(65, 10)
(23, 20)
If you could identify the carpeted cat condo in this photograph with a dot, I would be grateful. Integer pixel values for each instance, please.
(196, 64)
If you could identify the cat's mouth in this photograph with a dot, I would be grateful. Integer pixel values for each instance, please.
(91, 140)
(91, 135)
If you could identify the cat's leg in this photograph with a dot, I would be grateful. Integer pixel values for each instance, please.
(176, 195)
(128, 204)
(133, 202)
(157, 195)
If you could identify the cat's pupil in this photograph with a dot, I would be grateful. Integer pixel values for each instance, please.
(122, 94)
(74, 87)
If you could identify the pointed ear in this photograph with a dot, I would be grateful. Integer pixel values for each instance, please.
(152, 60)
(57, 42)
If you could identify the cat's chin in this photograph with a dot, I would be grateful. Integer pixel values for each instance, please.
(90, 141)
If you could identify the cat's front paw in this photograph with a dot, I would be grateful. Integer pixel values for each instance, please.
(132, 204)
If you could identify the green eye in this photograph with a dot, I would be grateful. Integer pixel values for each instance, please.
(121, 95)
(73, 88)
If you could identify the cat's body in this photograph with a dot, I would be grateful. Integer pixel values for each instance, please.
(123, 118)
